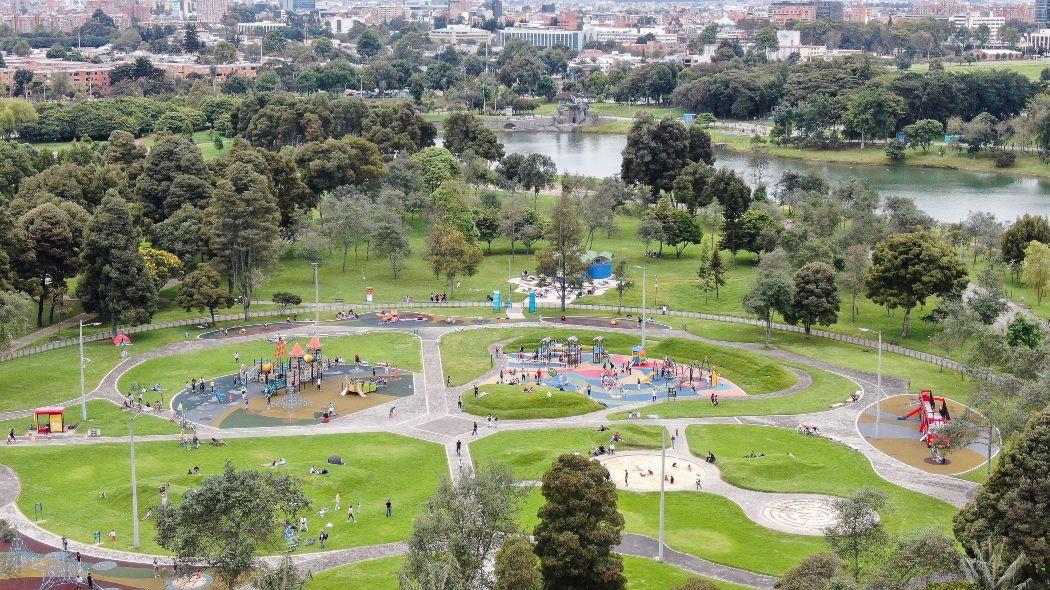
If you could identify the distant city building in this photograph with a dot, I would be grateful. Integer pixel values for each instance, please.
(626, 34)
(1042, 12)
(497, 9)
(212, 11)
(298, 5)
(1039, 40)
(973, 20)
(454, 34)
(780, 11)
(93, 78)
(427, 8)
(548, 8)
(542, 38)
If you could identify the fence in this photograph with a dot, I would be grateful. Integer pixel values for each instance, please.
(856, 340)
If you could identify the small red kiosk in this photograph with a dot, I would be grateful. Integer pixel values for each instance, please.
(49, 420)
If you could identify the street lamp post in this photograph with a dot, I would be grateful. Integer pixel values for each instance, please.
(83, 392)
(878, 377)
(663, 466)
(134, 488)
(644, 318)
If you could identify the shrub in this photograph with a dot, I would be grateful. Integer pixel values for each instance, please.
(1005, 159)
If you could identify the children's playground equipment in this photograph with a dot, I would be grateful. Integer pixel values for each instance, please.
(361, 387)
(638, 356)
(389, 317)
(48, 420)
(599, 354)
(931, 418)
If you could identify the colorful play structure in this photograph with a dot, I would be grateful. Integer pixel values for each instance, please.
(49, 420)
(290, 369)
(931, 418)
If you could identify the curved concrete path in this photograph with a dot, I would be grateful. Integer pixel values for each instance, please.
(430, 414)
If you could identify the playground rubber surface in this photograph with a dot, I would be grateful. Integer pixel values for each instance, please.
(900, 439)
(613, 387)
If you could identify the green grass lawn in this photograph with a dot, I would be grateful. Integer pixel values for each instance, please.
(754, 373)
(508, 402)
(810, 464)
(1031, 68)
(203, 139)
(107, 416)
(173, 372)
(381, 574)
(61, 377)
(531, 452)
(68, 484)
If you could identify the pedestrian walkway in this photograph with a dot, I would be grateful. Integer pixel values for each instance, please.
(38, 335)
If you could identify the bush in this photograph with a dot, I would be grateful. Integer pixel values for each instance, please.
(1005, 159)
(895, 151)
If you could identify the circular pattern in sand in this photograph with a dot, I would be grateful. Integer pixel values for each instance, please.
(807, 516)
(643, 472)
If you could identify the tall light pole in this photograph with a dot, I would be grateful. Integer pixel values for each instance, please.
(878, 377)
(134, 488)
(83, 392)
(317, 298)
(643, 303)
(663, 466)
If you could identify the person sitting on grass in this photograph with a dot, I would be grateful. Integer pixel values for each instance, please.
(217, 442)
(710, 458)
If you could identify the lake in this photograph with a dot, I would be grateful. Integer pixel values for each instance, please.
(947, 195)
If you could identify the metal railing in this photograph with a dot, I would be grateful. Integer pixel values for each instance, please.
(330, 307)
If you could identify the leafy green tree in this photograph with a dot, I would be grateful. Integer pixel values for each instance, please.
(816, 299)
(461, 530)
(759, 231)
(183, 234)
(1024, 231)
(895, 151)
(918, 560)
(683, 230)
(114, 281)
(688, 188)
(655, 154)
(561, 261)
(203, 289)
(52, 244)
(123, 153)
(243, 221)
(855, 270)
(923, 132)
(815, 572)
(717, 270)
(1005, 506)
(464, 131)
(517, 223)
(622, 275)
(650, 230)
(872, 112)
(515, 565)
(579, 526)
(488, 223)
(1036, 269)
(174, 174)
(223, 523)
(857, 535)
(450, 254)
(398, 129)
(537, 172)
(436, 165)
(733, 194)
(369, 44)
(907, 269)
(772, 293)
(1022, 331)
(328, 164)
(14, 113)
(285, 576)
(16, 163)
(392, 240)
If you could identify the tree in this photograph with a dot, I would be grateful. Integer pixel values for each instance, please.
(988, 568)
(369, 44)
(436, 165)
(537, 172)
(1002, 509)
(771, 293)
(857, 532)
(895, 151)
(21, 48)
(14, 113)
(561, 261)
(221, 524)
(183, 234)
(519, 224)
(461, 529)
(918, 560)
(655, 153)
(283, 577)
(688, 188)
(1022, 331)
(734, 196)
(174, 174)
(114, 281)
(1021, 234)
(700, 149)
(51, 252)
(488, 223)
(717, 270)
(203, 289)
(123, 153)
(872, 112)
(243, 219)
(622, 276)
(682, 230)
(515, 566)
(1036, 269)
(392, 240)
(284, 300)
(923, 132)
(816, 299)
(907, 269)
(650, 230)
(464, 131)
(191, 42)
(450, 254)
(814, 572)
(855, 270)
(759, 231)
(332, 163)
(579, 526)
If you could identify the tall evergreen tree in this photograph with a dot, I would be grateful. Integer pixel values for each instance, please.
(114, 280)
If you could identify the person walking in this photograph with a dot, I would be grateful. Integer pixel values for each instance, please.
(90, 582)
(156, 568)
(350, 514)
(448, 381)
(322, 537)
(475, 432)
(389, 508)
(625, 478)
(459, 447)
(65, 544)
(338, 500)
(11, 437)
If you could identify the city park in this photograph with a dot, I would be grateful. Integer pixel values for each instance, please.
(373, 407)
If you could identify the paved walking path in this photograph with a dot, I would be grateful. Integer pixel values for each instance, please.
(431, 414)
(37, 335)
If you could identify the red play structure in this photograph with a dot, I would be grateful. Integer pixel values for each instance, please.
(931, 418)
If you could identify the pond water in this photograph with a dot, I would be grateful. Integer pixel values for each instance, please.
(947, 195)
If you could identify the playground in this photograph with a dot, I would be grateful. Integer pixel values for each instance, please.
(294, 386)
(610, 379)
(910, 429)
